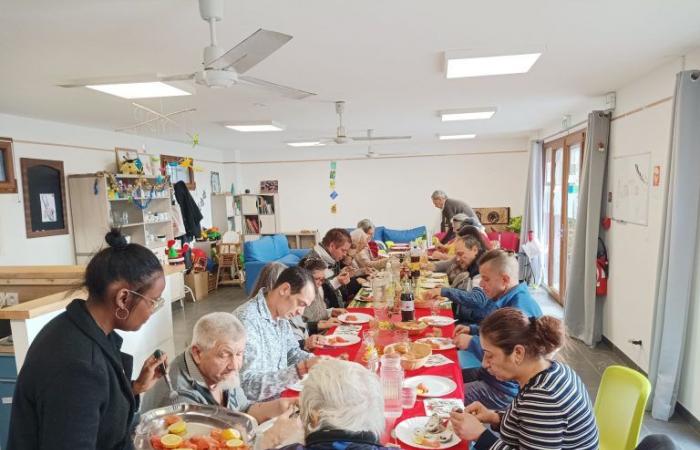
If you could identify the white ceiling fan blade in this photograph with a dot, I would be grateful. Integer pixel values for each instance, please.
(250, 51)
(141, 78)
(180, 77)
(286, 91)
(379, 138)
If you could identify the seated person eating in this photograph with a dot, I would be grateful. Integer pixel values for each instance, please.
(552, 410)
(446, 251)
(272, 358)
(207, 372)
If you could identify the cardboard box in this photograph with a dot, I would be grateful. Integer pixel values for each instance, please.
(199, 283)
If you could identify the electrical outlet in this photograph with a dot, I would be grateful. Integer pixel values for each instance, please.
(9, 298)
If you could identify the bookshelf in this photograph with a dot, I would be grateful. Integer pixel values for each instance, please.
(256, 215)
(145, 219)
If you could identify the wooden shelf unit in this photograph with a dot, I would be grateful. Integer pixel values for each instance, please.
(93, 213)
(257, 215)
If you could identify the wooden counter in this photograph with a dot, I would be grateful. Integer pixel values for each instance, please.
(59, 300)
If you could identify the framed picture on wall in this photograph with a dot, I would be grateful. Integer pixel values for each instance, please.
(129, 161)
(215, 183)
(178, 172)
(44, 190)
(8, 183)
(269, 186)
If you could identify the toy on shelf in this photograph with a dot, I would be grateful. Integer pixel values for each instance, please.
(175, 255)
(211, 234)
(131, 167)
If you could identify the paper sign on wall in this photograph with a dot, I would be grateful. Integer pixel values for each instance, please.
(656, 179)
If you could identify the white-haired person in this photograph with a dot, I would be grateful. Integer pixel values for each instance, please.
(552, 410)
(206, 373)
(338, 412)
(450, 207)
(363, 257)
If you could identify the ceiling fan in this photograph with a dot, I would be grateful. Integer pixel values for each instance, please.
(341, 136)
(220, 69)
(370, 152)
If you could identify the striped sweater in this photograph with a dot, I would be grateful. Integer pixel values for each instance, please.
(552, 411)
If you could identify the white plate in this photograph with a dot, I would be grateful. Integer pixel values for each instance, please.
(405, 432)
(437, 386)
(299, 385)
(360, 318)
(444, 343)
(437, 321)
(438, 275)
(431, 284)
(350, 339)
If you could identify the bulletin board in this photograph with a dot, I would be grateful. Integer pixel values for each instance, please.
(630, 189)
(44, 197)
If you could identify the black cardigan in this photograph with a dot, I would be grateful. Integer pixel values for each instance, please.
(74, 389)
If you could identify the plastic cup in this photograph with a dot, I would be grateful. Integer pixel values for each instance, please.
(408, 397)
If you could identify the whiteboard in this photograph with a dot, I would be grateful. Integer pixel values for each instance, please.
(632, 175)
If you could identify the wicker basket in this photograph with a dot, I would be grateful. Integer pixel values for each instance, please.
(414, 328)
(414, 357)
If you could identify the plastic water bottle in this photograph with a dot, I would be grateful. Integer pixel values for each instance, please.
(391, 376)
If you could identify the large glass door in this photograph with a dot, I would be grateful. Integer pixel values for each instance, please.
(562, 176)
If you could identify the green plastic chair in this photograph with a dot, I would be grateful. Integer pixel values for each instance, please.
(619, 407)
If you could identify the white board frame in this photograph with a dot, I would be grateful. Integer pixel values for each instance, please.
(631, 167)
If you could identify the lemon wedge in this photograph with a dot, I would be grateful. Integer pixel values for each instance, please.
(233, 443)
(230, 433)
(177, 428)
(171, 441)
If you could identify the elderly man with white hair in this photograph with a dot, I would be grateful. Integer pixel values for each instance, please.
(341, 407)
(207, 372)
(450, 207)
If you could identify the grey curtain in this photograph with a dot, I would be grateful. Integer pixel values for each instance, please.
(582, 310)
(679, 246)
(532, 214)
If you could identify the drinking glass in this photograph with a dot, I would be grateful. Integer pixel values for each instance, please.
(408, 397)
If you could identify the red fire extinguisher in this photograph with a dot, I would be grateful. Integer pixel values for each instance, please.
(601, 264)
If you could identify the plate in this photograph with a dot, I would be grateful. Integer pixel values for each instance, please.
(438, 343)
(200, 419)
(437, 321)
(355, 318)
(337, 340)
(439, 275)
(299, 385)
(430, 284)
(436, 386)
(406, 432)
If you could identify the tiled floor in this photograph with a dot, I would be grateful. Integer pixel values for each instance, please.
(588, 363)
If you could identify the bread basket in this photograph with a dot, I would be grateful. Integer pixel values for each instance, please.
(413, 354)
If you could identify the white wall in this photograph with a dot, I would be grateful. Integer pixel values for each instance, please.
(634, 249)
(392, 192)
(15, 248)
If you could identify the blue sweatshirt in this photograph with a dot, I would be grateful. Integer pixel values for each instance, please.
(518, 297)
(473, 305)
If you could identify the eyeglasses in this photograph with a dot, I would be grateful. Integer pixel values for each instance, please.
(156, 303)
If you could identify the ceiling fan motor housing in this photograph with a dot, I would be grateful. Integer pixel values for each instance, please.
(217, 78)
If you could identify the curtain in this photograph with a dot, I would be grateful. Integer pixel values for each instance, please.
(532, 213)
(678, 248)
(582, 311)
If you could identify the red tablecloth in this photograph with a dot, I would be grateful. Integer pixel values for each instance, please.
(452, 371)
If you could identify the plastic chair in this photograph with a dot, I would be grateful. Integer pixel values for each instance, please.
(619, 407)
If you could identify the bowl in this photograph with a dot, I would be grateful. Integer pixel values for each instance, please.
(413, 354)
(414, 327)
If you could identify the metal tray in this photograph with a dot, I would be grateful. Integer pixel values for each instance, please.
(200, 419)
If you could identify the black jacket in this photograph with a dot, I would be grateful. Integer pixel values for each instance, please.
(338, 440)
(191, 215)
(74, 389)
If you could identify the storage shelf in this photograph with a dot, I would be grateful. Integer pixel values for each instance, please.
(137, 198)
(129, 225)
(157, 223)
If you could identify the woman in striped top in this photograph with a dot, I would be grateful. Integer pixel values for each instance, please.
(552, 410)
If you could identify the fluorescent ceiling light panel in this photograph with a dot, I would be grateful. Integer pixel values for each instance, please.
(454, 137)
(489, 65)
(151, 89)
(466, 114)
(306, 144)
(251, 127)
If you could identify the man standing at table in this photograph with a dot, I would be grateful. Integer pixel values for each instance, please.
(272, 359)
(332, 250)
(499, 280)
(450, 207)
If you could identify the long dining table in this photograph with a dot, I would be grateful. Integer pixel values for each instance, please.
(449, 370)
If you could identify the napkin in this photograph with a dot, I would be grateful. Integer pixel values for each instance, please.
(437, 359)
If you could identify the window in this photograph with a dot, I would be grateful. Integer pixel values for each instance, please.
(8, 183)
(562, 176)
(178, 172)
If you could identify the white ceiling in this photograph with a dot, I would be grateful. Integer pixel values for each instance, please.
(384, 57)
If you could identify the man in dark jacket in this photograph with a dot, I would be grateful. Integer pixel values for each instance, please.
(450, 207)
(332, 249)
